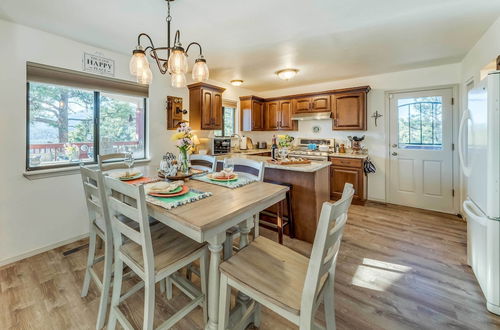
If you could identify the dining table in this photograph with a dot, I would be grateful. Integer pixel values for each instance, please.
(208, 219)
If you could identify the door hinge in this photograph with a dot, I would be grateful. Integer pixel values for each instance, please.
(453, 192)
(452, 101)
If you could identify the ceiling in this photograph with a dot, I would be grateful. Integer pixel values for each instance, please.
(250, 40)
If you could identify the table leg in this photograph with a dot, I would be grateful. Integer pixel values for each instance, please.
(215, 248)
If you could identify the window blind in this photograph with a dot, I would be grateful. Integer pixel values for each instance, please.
(50, 74)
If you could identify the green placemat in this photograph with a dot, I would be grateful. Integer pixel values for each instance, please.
(239, 182)
(172, 202)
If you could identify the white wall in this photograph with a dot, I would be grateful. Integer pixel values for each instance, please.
(35, 214)
(375, 136)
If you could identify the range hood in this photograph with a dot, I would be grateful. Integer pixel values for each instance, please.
(312, 116)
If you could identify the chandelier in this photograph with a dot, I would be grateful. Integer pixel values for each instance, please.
(175, 63)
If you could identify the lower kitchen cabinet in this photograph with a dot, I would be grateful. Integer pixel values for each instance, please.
(348, 170)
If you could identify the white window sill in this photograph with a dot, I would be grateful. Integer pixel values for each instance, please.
(70, 170)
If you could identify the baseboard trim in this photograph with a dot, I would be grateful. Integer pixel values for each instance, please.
(34, 252)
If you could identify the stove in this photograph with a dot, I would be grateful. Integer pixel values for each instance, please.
(302, 149)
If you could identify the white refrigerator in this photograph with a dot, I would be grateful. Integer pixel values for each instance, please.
(479, 151)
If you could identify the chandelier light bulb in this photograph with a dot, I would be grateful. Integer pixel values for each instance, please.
(138, 63)
(287, 74)
(178, 80)
(200, 70)
(177, 62)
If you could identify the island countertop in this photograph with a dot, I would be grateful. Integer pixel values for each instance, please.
(312, 167)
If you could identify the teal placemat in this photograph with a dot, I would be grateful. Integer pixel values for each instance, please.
(240, 182)
(172, 202)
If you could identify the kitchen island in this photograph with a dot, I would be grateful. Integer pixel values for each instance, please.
(310, 187)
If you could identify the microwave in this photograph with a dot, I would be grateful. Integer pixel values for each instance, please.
(221, 145)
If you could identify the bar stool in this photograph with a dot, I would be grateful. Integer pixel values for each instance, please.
(281, 220)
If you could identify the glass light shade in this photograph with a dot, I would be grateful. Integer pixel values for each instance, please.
(146, 76)
(200, 70)
(287, 74)
(177, 62)
(138, 63)
(236, 82)
(178, 80)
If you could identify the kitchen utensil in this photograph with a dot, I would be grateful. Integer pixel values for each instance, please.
(262, 145)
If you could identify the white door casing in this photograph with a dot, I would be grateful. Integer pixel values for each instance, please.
(420, 163)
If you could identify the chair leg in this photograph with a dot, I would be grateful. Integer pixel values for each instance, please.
(204, 284)
(228, 247)
(106, 283)
(149, 303)
(329, 302)
(257, 315)
(169, 288)
(189, 273)
(279, 222)
(224, 303)
(90, 260)
(291, 227)
(117, 289)
(163, 284)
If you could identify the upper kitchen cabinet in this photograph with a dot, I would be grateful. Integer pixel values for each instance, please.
(205, 106)
(251, 113)
(312, 103)
(278, 116)
(349, 108)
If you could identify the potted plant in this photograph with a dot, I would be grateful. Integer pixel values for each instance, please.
(184, 142)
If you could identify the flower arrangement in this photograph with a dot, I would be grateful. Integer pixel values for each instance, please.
(184, 142)
(285, 141)
(70, 150)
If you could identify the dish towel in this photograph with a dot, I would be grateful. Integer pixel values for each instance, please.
(240, 182)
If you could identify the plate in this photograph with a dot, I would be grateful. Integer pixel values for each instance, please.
(184, 190)
(234, 178)
(137, 176)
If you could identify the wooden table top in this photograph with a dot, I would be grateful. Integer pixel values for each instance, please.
(224, 205)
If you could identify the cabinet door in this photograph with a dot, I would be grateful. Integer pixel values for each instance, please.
(257, 115)
(320, 103)
(349, 111)
(302, 105)
(339, 176)
(206, 109)
(216, 110)
(285, 117)
(272, 116)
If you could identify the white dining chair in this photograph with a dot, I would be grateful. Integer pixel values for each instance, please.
(112, 161)
(100, 226)
(151, 255)
(285, 281)
(203, 162)
(251, 169)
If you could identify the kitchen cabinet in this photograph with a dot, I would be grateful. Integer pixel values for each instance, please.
(316, 103)
(278, 116)
(348, 170)
(205, 106)
(251, 113)
(349, 109)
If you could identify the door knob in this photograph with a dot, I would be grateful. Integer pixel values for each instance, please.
(394, 153)
(394, 145)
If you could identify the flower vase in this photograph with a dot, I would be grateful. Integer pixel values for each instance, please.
(183, 162)
(283, 152)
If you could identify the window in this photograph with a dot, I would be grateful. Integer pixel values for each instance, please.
(65, 123)
(228, 121)
(420, 123)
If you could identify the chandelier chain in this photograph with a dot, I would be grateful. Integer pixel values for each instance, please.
(169, 17)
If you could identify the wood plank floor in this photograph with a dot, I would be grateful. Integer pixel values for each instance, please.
(398, 268)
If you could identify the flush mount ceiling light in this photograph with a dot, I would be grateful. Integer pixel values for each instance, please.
(236, 82)
(287, 74)
(175, 63)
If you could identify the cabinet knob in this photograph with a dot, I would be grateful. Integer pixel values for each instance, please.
(394, 154)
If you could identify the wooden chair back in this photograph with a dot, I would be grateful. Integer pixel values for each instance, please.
(128, 200)
(95, 198)
(106, 166)
(324, 253)
(203, 162)
(249, 167)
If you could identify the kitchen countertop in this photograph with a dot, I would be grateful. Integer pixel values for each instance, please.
(347, 155)
(313, 167)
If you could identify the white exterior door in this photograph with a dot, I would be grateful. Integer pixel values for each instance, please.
(421, 155)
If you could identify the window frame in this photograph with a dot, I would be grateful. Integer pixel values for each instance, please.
(96, 131)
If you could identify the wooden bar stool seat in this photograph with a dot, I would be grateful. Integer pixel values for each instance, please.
(281, 220)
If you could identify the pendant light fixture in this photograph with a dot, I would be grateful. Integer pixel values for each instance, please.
(175, 63)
